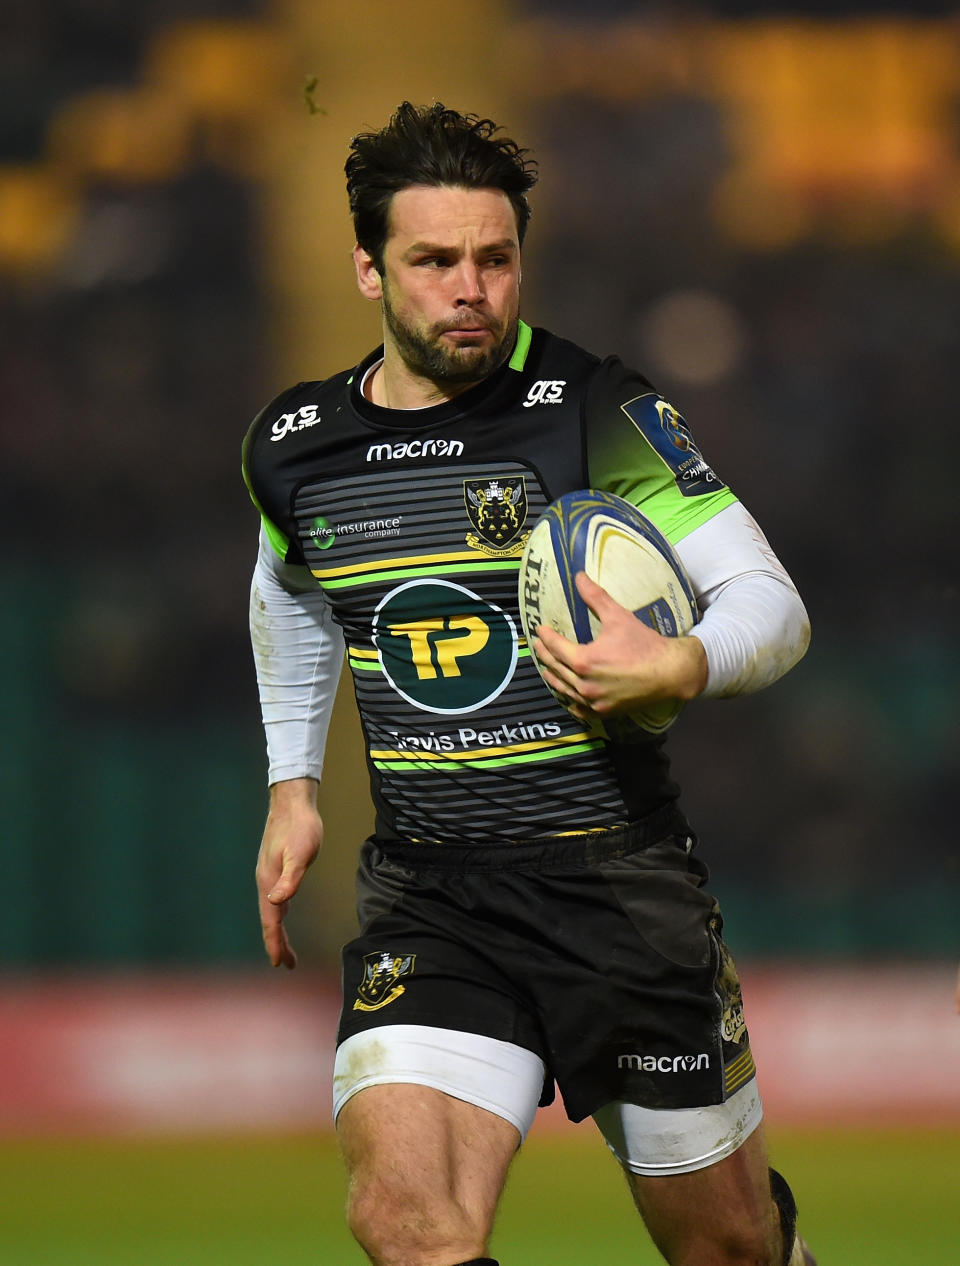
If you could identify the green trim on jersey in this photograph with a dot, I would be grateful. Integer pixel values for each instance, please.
(279, 542)
(519, 357)
(675, 518)
(639, 448)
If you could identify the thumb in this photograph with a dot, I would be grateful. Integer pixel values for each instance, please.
(288, 883)
(596, 597)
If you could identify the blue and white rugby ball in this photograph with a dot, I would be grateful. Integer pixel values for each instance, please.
(621, 550)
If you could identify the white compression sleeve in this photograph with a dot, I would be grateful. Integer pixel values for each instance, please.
(298, 652)
(754, 626)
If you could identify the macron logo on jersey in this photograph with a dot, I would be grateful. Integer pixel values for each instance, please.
(414, 448)
(545, 391)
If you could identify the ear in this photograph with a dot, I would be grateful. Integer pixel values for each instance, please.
(368, 279)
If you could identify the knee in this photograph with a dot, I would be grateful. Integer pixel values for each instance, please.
(396, 1225)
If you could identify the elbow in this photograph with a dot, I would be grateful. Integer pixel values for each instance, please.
(753, 651)
(786, 651)
(799, 632)
(805, 634)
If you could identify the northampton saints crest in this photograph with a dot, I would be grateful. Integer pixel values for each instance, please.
(381, 977)
(497, 508)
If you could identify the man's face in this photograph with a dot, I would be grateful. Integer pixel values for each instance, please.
(451, 282)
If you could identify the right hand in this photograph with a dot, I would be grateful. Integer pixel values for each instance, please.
(291, 841)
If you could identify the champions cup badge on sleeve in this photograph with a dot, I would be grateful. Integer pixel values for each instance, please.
(673, 425)
(381, 972)
(497, 508)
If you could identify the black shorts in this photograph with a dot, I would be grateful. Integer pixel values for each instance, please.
(600, 953)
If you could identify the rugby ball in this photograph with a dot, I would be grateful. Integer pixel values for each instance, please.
(618, 547)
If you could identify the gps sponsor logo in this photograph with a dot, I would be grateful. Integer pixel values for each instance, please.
(305, 416)
(414, 448)
(664, 1063)
(497, 508)
(546, 391)
(323, 533)
(443, 648)
(381, 972)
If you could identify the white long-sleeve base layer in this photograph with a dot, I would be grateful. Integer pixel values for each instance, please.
(754, 628)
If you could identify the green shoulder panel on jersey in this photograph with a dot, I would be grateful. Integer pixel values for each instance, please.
(639, 447)
(279, 540)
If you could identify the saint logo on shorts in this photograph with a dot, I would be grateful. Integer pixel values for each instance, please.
(381, 972)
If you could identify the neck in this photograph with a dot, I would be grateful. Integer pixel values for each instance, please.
(392, 385)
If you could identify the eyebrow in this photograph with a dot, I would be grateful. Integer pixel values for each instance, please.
(435, 248)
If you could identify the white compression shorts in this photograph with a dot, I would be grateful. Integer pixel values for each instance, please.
(507, 1080)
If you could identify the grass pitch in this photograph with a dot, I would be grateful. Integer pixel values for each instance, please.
(878, 1198)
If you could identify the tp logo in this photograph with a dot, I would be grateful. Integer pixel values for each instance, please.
(443, 648)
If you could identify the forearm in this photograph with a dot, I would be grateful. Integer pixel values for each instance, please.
(754, 626)
(753, 633)
(298, 653)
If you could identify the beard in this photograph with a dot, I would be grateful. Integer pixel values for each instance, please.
(425, 354)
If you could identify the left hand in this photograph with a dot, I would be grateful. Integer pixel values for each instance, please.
(627, 664)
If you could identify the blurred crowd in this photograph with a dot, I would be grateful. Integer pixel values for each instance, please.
(128, 371)
(816, 380)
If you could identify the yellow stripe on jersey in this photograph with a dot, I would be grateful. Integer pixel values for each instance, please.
(410, 560)
(355, 652)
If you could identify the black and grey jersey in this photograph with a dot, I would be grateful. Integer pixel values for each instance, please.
(413, 523)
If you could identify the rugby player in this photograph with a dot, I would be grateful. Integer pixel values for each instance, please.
(532, 905)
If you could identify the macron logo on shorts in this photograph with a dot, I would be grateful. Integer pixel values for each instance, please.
(664, 1063)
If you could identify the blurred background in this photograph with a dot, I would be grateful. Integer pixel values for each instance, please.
(756, 205)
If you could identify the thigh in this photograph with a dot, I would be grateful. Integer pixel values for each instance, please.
(723, 1209)
(423, 1158)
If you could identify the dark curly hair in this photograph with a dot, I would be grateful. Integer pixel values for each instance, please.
(431, 145)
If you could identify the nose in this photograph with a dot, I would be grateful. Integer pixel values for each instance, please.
(469, 285)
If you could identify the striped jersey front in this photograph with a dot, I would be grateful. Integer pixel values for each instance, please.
(413, 525)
